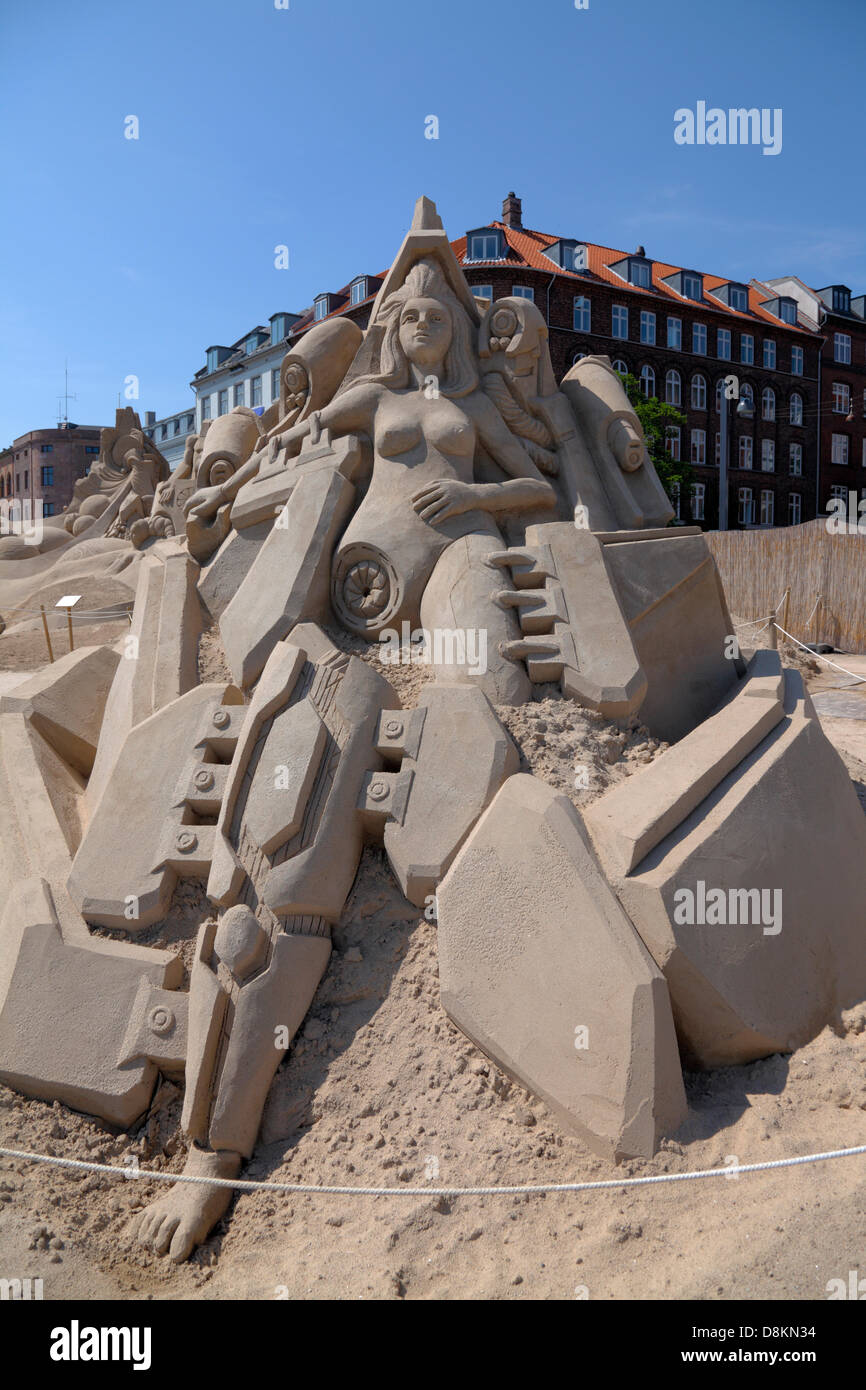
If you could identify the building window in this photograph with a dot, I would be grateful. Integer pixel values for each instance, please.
(672, 442)
(358, 291)
(838, 449)
(484, 246)
(27, 478)
(647, 327)
(48, 475)
(796, 409)
(699, 392)
(745, 506)
(699, 492)
(47, 508)
(582, 314)
(842, 347)
(163, 431)
(620, 366)
(768, 455)
(795, 460)
(275, 384)
(320, 309)
(787, 311)
(522, 292)
(647, 381)
(723, 344)
(768, 403)
(770, 354)
(738, 298)
(240, 393)
(483, 292)
(699, 446)
(796, 361)
(175, 426)
(747, 394)
(639, 274)
(747, 349)
(578, 357)
(675, 497)
(255, 390)
(223, 402)
(693, 287)
(746, 447)
(205, 407)
(720, 391)
(47, 449)
(673, 387)
(620, 321)
(768, 501)
(795, 509)
(841, 398)
(717, 453)
(91, 448)
(839, 490)
(699, 338)
(675, 333)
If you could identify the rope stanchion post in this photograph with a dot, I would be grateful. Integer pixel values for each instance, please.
(47, 634)
(773, 637)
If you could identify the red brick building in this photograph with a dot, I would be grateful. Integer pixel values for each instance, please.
(681, 332)
(44, 464)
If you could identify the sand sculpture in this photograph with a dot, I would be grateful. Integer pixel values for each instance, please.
(426, 474)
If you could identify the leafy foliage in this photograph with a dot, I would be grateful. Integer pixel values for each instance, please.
(655, 416)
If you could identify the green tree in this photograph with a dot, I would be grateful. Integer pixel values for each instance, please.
(655, 416)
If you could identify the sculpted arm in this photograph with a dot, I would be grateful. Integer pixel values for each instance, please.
(525, 486)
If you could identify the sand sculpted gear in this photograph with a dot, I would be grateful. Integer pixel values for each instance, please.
(423, 481)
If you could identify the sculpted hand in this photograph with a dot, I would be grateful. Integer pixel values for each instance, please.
(204, 503)
(448, 497)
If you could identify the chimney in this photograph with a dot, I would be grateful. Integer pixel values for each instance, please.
(512, 212)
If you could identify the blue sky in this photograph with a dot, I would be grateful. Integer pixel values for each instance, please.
(305, 127)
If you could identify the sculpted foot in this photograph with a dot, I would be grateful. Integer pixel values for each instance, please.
(184, 1217)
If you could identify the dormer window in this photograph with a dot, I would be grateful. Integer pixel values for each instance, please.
(687, 283)
(841, 299)
(321, 306)
(693, 285)
(788, 310)
(738, 298)
(216, 356)
(484, 245)
(280, 326)
(358, 290)
(637, 270)
(568, 255)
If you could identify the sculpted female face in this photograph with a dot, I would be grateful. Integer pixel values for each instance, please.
(425, 331)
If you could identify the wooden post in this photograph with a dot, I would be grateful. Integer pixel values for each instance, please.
(69, 624)
(785, 601)
(773, 634)
(47, 635)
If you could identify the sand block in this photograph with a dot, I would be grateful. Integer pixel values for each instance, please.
(461, 758)
(65, 701)
(635, 816)
(753, 905)
(289, 579)
(146, 831)
(672, 599)
(542, 969)
(67, 1007)
(159, 657)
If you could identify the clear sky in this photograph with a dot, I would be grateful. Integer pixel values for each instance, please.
(305, 126)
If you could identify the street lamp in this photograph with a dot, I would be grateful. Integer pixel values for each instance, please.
(745, 411)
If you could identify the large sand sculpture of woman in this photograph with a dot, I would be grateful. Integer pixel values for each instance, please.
(425, 525)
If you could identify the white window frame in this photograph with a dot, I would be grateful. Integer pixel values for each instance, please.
(768, 507)
(795, 409)
(619, 318)
(841, 398)
(523, 292)
(747, 349)
(675, 332)
(699, 335)
(582, 313)
(795, 460)
(768, 404)
(842, 348)
(746, 453)
(795, 508)
(797, 360)
(723, 338)
(672, 442)
(648, 327)
(698, 391)
(673, 387)
(839, 447)
(768, 455)
(769, 354)
(647, 380)
(698, 448)
(698, 501)
(745, 506)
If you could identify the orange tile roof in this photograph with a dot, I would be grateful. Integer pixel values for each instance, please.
(526, 248)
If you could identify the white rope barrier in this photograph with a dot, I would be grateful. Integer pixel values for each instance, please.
(858, 680)
(253, 1185)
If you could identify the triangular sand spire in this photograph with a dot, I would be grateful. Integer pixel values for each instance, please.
(426, 218)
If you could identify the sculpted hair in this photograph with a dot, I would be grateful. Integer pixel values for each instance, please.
(426, 281)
